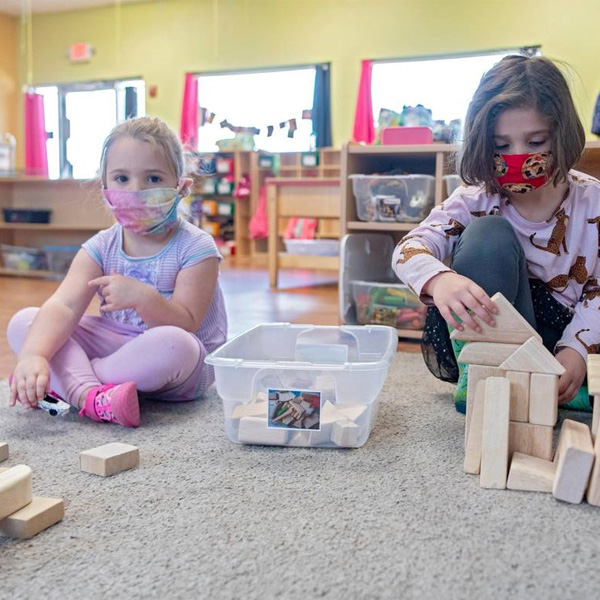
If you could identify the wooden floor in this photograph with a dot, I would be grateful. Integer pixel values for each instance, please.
(302, 297)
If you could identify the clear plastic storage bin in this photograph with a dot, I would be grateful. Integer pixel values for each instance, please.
(452, 182)
(60, 257)
(303, 385)
(22, 258)
(313, 247)
(388, 304)
(393, 198)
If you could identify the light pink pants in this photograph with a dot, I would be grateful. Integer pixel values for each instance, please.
(166, 362)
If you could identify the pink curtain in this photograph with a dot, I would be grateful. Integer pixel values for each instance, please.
(188, 130)
(364, 129)
(36, 157)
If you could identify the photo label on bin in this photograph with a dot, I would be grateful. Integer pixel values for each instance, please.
(294, 409)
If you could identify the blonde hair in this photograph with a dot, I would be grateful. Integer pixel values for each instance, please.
(151, 130)
(520, 82)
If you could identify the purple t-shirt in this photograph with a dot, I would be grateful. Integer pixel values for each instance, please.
(189, 246)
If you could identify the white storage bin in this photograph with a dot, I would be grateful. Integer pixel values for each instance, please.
(313, 247)
(303, 385)
(393, 198)
(452, 182)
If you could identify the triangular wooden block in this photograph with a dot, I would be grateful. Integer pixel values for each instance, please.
(532, 357)
(510, 327)
(486, 353)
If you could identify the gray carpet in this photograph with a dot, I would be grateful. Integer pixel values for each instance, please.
(203, 518)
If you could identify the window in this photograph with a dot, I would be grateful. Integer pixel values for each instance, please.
(444, 85)
(258, 99)
(78, 118)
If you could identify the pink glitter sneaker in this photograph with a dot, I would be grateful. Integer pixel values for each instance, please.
(113, 403)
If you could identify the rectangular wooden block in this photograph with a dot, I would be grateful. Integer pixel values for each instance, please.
(252, 409)
(494, 446)
(596, 415)
(593, 490)
(519, 395)
(477, 373)
(109, 459)
(345, 433)
(15, 489)
(254, 430)
(40, 514)
(543, 399)
(472, 462)
(533, 440)
(3, 452)
(574, 459)
(530, 474)
(486, 353)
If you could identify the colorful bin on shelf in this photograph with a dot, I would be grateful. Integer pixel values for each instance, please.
(21, 258)
(393, 198)
(60, 257)
(303, 385)
(26, 215)
(388, 304)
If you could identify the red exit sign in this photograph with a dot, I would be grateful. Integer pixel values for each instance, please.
(81, 52)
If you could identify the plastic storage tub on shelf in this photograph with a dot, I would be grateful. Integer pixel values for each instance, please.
(23, 259)
(393, 198)
(26, 215)
(452, 182)
(313, 247)
(388, 304)
(60, 257)
(303, 385)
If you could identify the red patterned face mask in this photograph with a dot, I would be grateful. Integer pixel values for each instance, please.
(522, 173)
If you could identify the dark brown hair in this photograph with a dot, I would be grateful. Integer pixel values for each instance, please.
(520, 82)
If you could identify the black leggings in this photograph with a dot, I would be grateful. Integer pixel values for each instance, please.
(489, 253)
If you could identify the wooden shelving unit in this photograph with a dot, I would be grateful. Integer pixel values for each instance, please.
(291, 166)
(77, 207)
(430, 159)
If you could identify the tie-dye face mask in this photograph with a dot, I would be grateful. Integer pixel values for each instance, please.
(146, 212)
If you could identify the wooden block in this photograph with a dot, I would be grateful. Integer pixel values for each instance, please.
(596, 416)
(472, 462)
(543, 399)
(477, 373)
(519, 395)
(494, 445)
(15, 489)
(254, 430)
(593, 490)
(3, 452)
(354, 412)
(109, 459)
(33, 518)
(252, 409)
(486, 353)
(510, 327)
(530, 474)
(574, 459)
(532, 357)
(533, 440)
(593, 373)
(329, 414)
(345, 433)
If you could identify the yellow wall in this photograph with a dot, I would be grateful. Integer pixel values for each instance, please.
(161, 40)
(9, 74)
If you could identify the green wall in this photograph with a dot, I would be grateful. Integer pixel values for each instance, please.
(161, 40)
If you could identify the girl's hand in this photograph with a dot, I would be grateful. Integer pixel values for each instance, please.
(120, 292)
(453, 293)
(30, 382)
(570, 381)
